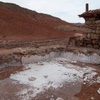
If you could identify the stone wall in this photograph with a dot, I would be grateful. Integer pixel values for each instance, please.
(92, 37)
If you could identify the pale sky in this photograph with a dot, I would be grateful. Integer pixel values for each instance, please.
(67, 10)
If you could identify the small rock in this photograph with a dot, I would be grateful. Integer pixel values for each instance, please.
(74, 74)
(50, 82)
(61, 86)
(51, 98)
(98, 90)
(37, 88)
(32, 78)
(59, 98)
(92, 98)
(76, 51)
(85, 79)
(98, 79)
(65, 74)
(84, 83)
(1, 57)
(46, 76)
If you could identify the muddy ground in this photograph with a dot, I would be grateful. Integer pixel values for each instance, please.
(55, 73)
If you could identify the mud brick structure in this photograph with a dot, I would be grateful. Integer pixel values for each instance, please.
(92, 23)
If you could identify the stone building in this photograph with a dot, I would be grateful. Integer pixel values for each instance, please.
(92, 24)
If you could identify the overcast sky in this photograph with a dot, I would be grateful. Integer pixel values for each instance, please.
(67, 10)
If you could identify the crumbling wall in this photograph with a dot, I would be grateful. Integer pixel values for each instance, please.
(92, 38)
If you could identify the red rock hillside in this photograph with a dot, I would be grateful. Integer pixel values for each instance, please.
(17, 23)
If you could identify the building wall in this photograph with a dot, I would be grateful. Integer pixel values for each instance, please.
(92, 38)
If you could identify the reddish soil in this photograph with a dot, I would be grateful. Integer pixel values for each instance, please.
(4, 73)
(17, 23)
